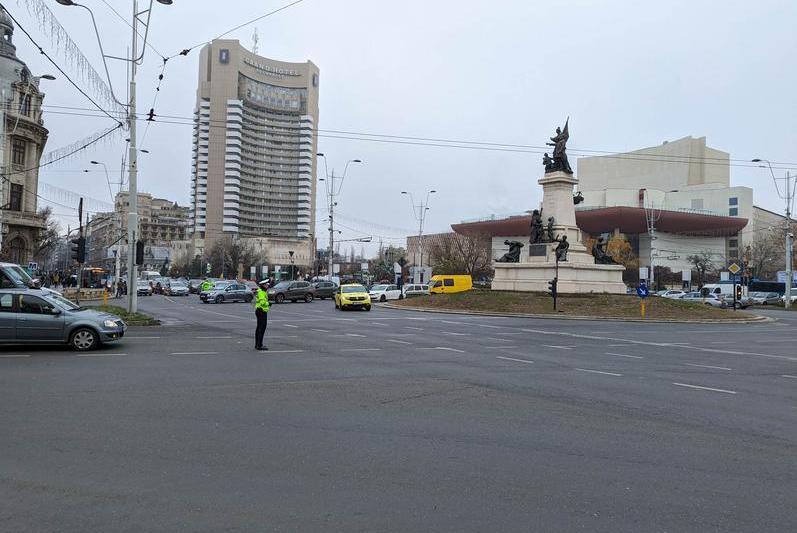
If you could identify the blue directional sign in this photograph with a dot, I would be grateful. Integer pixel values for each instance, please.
(642, 291)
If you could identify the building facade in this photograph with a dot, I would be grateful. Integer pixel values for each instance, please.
(254, 152)
(22, 140)
(162, 223)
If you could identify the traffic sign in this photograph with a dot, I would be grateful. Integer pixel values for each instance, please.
(734, 269)
(642, 291)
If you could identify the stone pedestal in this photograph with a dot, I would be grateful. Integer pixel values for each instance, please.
(579, 274)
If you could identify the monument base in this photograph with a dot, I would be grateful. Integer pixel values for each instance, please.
(578, 275)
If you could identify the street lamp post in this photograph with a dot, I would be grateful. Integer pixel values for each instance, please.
(787, 195)
(332, 192)
(419, 211)
(134, 60)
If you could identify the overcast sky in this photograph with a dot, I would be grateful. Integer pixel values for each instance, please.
(630, 74)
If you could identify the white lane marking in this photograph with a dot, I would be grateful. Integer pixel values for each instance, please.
(362, 350)
(658, 344)
(709, 366)
(704, 388)
(445, 348)
(513, 359)
(499, 340)
(557, 347)
(321, 330)
(454, 333)
(597, 372)
(411, 327)
(218, 337)
(625, 355)
(14, 356)
(193, 353)
(788, 376)
(502, 347)
(509, 333)
(452, 322)
(397, 341)
(290, 326)
(99, 354)
(266, 352)
(620, 345)
(723, 342)
(488, 326)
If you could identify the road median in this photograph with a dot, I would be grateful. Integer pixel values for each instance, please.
(624, 308)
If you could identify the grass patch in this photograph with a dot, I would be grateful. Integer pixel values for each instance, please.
(131, 319)
(597, 305)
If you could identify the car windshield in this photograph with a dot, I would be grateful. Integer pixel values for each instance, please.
(221, 284)
(143, 283)
(379, 287)
(352, 288)
(178, 284)
(282, 285)
(62, 302)
(18, 275)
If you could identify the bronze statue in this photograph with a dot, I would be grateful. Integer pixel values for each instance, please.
(578, 198)
(559, 143)
(536, 227)
(513, 255)
(561, 248)
(548, 162)
(600, 255)
(549, 231)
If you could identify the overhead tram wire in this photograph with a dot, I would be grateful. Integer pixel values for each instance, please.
(123, 19)
(58, 67)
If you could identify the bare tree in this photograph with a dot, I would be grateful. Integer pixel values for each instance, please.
(703, 263)
(462, 254)
(226, 256)
(49, 236)
(766, 255)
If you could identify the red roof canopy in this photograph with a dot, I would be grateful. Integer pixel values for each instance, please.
(631, 220)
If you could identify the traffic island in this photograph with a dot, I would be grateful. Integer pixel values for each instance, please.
(131, 319)
(573, 306)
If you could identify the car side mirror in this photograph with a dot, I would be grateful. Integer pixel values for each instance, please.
(53, 311)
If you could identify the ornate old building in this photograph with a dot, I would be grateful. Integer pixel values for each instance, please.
(22, 140)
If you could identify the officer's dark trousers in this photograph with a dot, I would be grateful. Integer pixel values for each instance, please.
(262, 322)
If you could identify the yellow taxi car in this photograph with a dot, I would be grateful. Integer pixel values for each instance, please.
(352, 296)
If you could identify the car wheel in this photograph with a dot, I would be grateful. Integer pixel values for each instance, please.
(219, 299)
(308, 297)
(280, 298)
(764, 303)
(84, 339)
(248, 298)
(737, 305)
(383, 298)
(367, 307)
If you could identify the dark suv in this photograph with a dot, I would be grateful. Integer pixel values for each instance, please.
(324, 289)
(293, 291)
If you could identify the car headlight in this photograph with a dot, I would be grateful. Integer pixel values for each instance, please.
(109, 323)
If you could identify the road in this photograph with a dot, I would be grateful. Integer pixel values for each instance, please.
(402, 421)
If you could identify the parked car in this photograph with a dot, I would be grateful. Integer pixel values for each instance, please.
(383, 293)
(672, 293)
(765, 298)
(251, 285)
(793, 298)
(352, 296)
(710, 299)
(143, 288)
(293, 291)
(32, 316)
(230, 291)
(177, 288)
(415, 290)
(324, 289)
(445, 284)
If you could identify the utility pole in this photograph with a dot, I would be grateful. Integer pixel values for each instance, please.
(789, 239)
(132, 215)
(652, 216)
(332, 191)
(419, 212)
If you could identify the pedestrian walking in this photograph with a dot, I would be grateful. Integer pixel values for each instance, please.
(261, 313)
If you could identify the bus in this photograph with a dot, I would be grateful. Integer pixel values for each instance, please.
(94, 278)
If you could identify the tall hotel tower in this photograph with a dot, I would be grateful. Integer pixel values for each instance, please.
(254, 153)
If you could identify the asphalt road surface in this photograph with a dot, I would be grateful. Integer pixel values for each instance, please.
(402, 421)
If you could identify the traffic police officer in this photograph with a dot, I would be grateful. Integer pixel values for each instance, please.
(261, 313)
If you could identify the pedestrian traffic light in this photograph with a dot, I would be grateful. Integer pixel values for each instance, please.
(552, 287)
(738, 289)
(78, 250)
(139, 253)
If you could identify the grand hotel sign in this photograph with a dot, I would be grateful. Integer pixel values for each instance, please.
(269, 70)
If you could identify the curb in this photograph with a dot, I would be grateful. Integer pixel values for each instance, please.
(754, 320)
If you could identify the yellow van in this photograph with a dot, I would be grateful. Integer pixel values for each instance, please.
(446, 284)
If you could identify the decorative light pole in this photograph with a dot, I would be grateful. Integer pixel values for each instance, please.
(332, 192)
(419, 212)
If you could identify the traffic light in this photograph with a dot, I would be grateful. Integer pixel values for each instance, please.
(552, 288)
(139, 253)
(738, 289)
(78, 250)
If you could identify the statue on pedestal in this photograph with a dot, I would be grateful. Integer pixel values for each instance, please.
(561, 248)
(559, 143)
(578, 198)
(600, 255)
(536, 227)
(549, 231)
(513, 255)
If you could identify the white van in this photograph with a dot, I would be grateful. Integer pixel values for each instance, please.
(723, 290)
